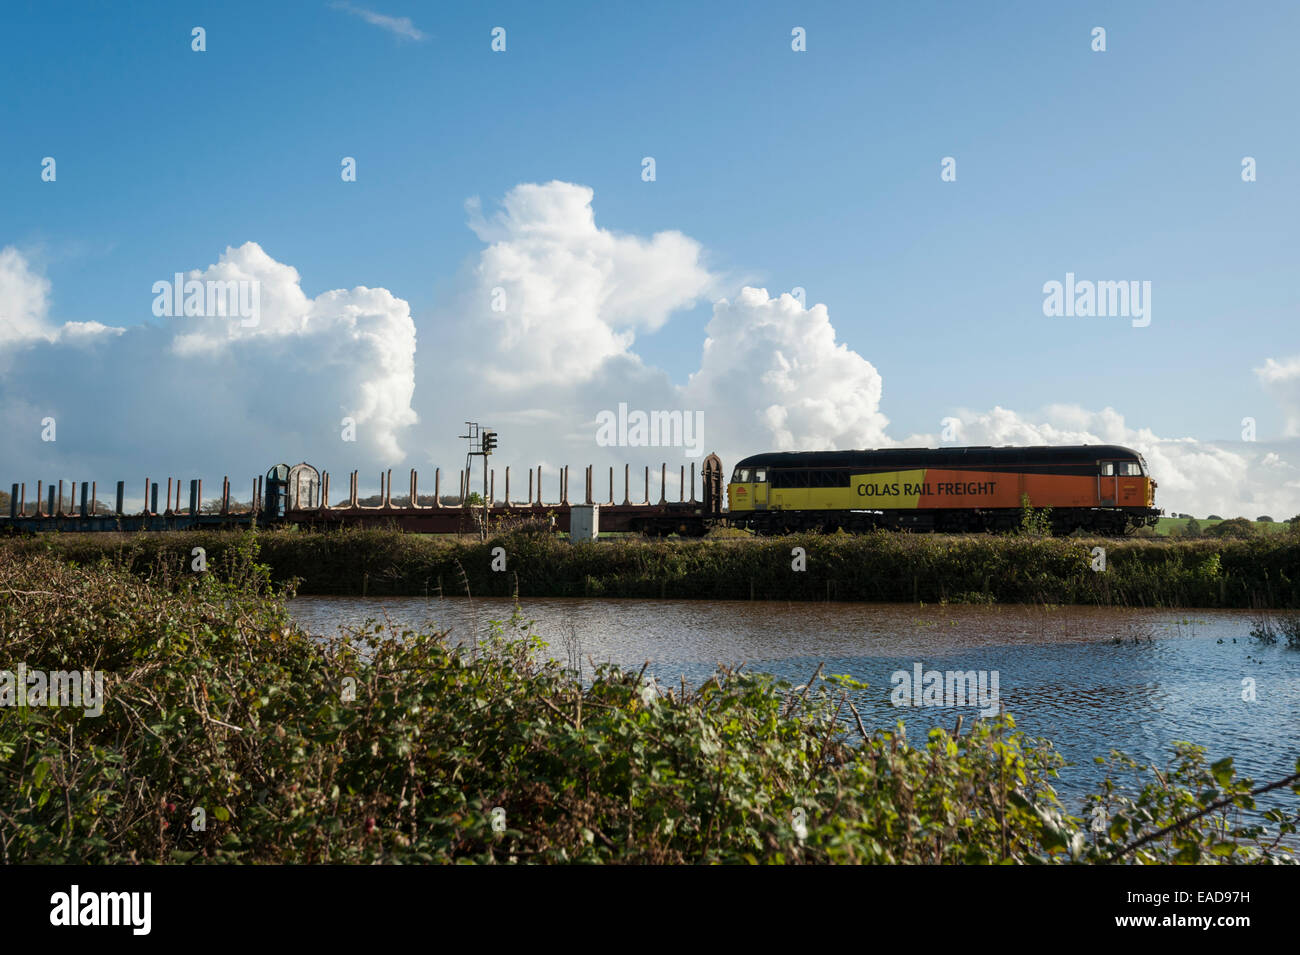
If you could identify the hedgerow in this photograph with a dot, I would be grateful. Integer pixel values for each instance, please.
(229, 736)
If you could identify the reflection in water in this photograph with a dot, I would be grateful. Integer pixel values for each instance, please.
(1090, 679)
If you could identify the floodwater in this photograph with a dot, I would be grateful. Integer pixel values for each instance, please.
(1091, 679)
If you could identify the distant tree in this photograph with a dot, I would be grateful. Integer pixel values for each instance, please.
(1214, 517)
(1193, 528)
(1237, 528)
(1264, 519)
(4, 502)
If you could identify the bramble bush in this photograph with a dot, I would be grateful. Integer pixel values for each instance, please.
(402, 747)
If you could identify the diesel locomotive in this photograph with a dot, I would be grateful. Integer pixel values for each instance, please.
(1101, 488)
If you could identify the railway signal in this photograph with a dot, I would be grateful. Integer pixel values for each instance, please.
(486, 442)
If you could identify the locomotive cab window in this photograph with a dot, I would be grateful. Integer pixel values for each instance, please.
(742, 476)
(760, 475)
(1129, 469)
(1108, 469)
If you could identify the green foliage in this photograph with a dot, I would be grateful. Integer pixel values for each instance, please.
(1262, 571)
(1034, 521)
(398, 747)
(1237, 528)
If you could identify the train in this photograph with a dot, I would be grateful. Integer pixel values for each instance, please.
(1105, 489)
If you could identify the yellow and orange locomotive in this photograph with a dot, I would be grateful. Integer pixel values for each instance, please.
(1103, 488)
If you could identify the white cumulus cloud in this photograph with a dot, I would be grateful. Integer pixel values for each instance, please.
(774, 378)
(206, 394)
(556, 296)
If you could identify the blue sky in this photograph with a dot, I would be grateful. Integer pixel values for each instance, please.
(816, 169)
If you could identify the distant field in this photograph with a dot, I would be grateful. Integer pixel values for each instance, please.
(1167, 524)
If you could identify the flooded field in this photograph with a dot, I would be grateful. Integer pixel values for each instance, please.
(1091, 679)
